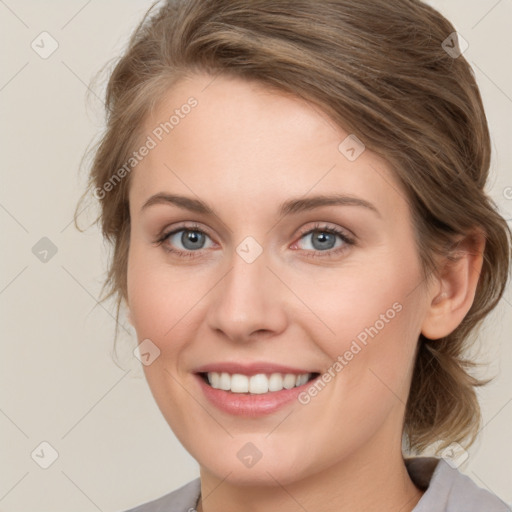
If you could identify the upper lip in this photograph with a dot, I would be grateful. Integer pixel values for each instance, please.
(252, 368)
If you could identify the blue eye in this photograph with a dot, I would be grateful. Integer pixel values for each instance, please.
(325, 241)
(191, 238)
(321, 240)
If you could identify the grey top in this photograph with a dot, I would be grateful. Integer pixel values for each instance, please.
(447, 490)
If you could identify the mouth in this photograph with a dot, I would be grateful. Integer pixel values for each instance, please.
(252, 389)
(257, 384)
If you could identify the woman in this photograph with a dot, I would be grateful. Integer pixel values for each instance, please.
(295, 195)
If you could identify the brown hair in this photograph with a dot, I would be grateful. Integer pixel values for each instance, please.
(379, 70)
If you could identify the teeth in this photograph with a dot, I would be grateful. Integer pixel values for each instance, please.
(275, 383)
(239, 383)
(256, 384)
(289, 381)
(225, 381)
(303, 379)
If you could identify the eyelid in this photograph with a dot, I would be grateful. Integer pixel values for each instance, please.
(347, 237)
(321, 226)
(186, 226)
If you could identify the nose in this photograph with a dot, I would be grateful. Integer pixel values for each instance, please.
(248, 303)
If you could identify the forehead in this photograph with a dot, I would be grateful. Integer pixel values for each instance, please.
(246, 144)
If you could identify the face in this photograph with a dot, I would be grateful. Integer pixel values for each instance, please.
(276, 273)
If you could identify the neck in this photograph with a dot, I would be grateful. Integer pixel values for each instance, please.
(375, 481)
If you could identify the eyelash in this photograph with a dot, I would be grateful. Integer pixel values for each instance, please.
(348, 241)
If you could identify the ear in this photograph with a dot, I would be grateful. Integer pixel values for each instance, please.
(452, 295)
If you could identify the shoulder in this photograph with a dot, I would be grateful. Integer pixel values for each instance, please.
(181, 500)
(448, 490)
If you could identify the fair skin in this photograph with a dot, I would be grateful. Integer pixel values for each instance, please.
(243, 151)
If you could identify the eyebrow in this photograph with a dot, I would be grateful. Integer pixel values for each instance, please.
(289, 207)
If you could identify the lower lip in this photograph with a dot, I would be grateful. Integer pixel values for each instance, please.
(250, 405)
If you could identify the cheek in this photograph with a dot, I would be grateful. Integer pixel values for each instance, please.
(370, 360)
(369, 323)
(375, 358)
(160, 297)
(162, 309)
(360, 302)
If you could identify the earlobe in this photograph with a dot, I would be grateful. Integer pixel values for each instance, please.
(452, 297)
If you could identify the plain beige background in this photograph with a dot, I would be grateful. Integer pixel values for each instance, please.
(59, 382)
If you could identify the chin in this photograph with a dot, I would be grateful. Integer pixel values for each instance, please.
(245, 465)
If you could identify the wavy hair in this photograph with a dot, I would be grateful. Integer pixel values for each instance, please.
(378, 69)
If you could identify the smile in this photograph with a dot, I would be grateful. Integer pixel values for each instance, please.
(255, 384)
(252, 389)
